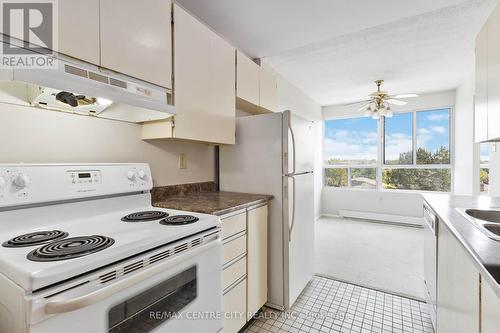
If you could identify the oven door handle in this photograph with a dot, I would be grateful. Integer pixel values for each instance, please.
(67, 305)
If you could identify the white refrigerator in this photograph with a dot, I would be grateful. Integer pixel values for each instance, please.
(274, 155)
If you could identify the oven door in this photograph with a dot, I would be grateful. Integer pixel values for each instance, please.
(181, 294)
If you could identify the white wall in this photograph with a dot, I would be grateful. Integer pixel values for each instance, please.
(405, 204)
(31, 135)
(466, 180)
(382, 202)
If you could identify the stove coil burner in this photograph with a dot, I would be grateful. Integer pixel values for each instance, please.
(35, 238)
(70, 248)
(145, 216)
(179, 220)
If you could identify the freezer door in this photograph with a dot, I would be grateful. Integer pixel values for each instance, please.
(254, 165)
(300, 234)
(298, 144)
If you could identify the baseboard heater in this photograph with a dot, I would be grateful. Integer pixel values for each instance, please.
(389, 218)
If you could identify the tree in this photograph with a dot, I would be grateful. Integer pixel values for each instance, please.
(420, 179)
(336, 177)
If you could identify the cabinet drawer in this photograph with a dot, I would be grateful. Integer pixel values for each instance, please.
(234, 272)
(234, 248)
(234, 224)
(234, 303)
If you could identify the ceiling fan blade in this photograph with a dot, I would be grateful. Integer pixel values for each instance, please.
(364, 107)
(358, 102)
(405, 96)
(396, 102)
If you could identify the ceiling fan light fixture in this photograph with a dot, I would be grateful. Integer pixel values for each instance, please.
(375, 116)
(389, 114)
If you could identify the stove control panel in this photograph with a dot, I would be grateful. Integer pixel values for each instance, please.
(84, 177)
(136, 177)
(23, 184)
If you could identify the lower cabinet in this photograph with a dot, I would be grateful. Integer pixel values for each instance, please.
(457, 287)
(490, 309)
(235, 307)
(257, 259)
(244, 268)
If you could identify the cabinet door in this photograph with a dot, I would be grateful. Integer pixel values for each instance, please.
(256, 258)
(490, 309)
(136, 39)
(247, 79)
(493, 75)
(268, 90)
(234, 303)
(204, 73)
(481, 96)
(458, 287)
(79, 29)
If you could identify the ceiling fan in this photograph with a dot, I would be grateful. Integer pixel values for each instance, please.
(379, 102)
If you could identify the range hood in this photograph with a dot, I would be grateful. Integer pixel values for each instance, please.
(83, 88)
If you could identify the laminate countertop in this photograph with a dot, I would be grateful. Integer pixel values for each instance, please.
(211, 202)
(484, 251)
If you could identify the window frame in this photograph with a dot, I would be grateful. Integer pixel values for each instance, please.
(380, 165)
(484, 165)
(351, 166)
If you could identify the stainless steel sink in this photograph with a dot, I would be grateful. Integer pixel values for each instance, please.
(485, 215)
(487, 220)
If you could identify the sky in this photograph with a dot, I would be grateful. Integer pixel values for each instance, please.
(356, 138)
(484, 151)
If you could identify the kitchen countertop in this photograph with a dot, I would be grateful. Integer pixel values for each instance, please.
(211, 202)
(484, 251)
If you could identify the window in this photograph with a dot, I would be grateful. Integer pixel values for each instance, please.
(351, 153)
(398, 140)
(484, 167)
(414, 149)
(417, 150)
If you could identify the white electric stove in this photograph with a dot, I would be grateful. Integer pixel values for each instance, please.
(82, 243)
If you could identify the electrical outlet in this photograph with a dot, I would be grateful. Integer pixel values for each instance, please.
(183, 163)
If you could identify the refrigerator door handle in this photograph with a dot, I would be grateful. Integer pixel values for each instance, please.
(293, 210)
(292, 136)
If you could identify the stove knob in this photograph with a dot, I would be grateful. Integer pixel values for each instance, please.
(2, 182)
(22, 181)
(141, 174)
(131, 174)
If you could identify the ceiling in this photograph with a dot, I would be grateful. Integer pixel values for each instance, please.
(334, 49)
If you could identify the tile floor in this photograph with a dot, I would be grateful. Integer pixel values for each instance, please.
(327, 305)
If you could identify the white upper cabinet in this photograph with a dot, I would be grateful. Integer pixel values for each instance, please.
(247, 79)
(79, 29)
(204, 85)
(481, 95)
(487, 97)
(494, 75)
(256, 87)
(136, 39)
(268, 90)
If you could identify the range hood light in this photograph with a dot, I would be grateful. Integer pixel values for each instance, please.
(103, 101)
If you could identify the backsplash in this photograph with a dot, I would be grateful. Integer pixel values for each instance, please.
(30, 135)
(161, 192)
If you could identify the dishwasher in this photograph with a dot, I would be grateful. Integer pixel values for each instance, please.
(430, 260)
